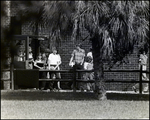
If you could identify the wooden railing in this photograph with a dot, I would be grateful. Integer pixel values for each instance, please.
(74, 80)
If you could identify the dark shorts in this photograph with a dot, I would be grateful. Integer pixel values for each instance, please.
(53, 73)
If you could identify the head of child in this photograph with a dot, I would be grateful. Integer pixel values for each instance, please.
(30, 49)
(142, 51)
(20, 53)
(90, 49)
(39, 57)
(78, 46)
(54, 51)
(44, 55)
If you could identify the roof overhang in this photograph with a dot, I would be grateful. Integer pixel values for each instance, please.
(24, 37)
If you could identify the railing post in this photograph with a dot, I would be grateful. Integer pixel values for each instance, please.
(12, 75)
(74, 78)
(27, 48)
(140, 83)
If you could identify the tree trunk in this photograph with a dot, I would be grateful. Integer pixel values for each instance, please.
(98, 69)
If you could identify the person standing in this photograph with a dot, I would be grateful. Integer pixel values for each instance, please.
(54, 61)
(77, 58)
(89, 54)
(142, 63)
(30, 60)
(21, 56)
(88, 65)
(39, 64)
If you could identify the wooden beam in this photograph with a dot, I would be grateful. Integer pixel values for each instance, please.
(27, 47)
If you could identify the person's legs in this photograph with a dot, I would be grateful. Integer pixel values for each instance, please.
(58, 76)
(40, 82)
(51, 83)
(44, 82)
(91, 77)
(144, 85)
(144, 77)
(82, 85)
(80, 75)
(144, 74)
(79, 67)
(71, 83)
(30, 65)
(58, 83)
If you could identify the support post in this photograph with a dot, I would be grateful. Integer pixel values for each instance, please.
(74, 78)
(140, 84)
(27, 48)
(12, 74)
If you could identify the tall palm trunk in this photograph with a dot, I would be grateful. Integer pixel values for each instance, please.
(37, 42)
(98, 69)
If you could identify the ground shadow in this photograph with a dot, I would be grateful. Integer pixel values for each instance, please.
(43, 95)
(127, 96)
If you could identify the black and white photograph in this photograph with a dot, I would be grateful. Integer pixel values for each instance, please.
(75, 59)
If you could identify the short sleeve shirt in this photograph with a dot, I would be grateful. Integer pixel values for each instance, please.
(54, 59)
(78, 56)
(88, 66)
(143, 59)
(89, 54)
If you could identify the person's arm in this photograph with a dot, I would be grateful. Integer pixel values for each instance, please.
(71, 59)
(35, 64)
(140, 58)
(59, 62)
(49, 62)
(85, 65)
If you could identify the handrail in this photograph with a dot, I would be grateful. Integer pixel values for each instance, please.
(3, 70)
(144, 71)
(46, 70)
(79, 80)
(73, 71)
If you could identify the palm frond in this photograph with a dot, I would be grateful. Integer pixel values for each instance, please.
(126, 22)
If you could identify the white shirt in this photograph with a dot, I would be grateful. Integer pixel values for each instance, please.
(89, 54)
(143, 59)
(88, 66)
(30, 55)
(54, 59)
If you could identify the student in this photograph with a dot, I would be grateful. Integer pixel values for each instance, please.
(48, 85)
(142, 62)
(88, 65)
(21, 56)
(39, 64)
(54, 61)
(45, 59)
(30, 60)
(77, 58)
(89, 54)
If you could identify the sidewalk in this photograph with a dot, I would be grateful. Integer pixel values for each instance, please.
(32, 94)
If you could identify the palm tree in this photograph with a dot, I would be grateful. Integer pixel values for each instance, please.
(114, 27)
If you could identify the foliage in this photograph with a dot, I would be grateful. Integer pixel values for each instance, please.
(119, 24)
(41, 14)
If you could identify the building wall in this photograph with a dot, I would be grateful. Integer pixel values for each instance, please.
(67, 46)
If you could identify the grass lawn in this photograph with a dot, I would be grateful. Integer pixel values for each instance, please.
(22, 106)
